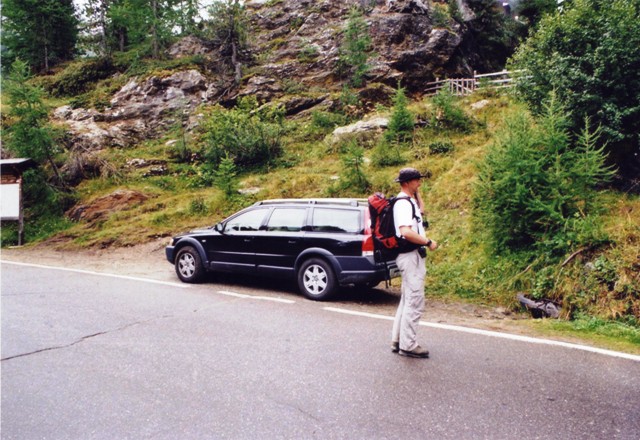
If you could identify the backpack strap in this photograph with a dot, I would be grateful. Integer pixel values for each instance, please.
(413, 206)
(407, 246)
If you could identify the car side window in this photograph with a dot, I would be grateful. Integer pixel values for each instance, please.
(247, 222)
(336, 220)
(287, 219)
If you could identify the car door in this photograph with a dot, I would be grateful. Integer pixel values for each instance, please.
(233, 250)
(281, 241)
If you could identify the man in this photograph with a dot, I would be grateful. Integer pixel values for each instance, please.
(407, 215)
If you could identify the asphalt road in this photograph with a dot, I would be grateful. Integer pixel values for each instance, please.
(93, 357)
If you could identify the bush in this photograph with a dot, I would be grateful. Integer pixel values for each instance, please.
(327, 120)
(440, 147)
(387, 154)
(251, 136)
(448, 114)
(308, 54)
(536, 186)
(79, 76)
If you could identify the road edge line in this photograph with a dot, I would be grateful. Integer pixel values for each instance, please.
(261, 298)
(495, 334)
(104, 274)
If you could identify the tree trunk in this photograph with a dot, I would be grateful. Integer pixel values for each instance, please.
(236, 65)
(104, 47)
(45, 42)
(154, 29)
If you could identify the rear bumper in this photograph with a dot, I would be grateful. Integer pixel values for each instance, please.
(363, 271)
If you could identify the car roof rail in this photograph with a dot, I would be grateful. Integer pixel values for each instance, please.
(318, 201)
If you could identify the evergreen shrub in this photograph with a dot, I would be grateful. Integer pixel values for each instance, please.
(536, 186)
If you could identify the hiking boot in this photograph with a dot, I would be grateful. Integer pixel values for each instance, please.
(417, 352)
(395, 347)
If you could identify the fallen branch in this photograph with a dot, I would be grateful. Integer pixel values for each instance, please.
(572, 256)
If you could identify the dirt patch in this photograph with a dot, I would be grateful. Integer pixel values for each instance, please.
(144, 261)
(104, 206)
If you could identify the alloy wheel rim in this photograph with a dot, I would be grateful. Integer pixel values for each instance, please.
(315, 279)
(187, 265)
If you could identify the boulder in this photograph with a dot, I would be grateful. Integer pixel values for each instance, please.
(374, 125)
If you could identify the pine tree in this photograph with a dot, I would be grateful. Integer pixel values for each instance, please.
(225, 176)
(229, 27)
(40, 32)
(31, 134)
(356, 47)
(402, 122)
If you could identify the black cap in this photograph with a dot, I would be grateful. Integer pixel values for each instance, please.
(407, 174)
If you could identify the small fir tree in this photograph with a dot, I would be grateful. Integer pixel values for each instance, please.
(402, 121)
(225, 177)
(356, 47)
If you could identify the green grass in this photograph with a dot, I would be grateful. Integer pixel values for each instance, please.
(610, 335)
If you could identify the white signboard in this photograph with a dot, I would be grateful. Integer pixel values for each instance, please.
(10, 201)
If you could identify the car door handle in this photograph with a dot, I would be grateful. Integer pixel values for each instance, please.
(248, 240)
(292, 241)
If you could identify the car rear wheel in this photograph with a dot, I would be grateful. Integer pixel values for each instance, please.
(189, 265)
(316, 279)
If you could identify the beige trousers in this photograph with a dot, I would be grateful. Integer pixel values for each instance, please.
(405, 326)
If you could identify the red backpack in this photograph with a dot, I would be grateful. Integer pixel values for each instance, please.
(383, 226)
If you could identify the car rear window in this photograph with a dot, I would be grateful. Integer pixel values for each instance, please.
(336, 220)
(287, 219)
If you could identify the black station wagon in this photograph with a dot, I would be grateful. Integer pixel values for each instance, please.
(323, 243)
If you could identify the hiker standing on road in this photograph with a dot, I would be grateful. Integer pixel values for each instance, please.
(408, 221)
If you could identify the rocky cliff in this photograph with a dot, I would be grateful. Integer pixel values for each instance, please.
(407, 46)
(414, 41)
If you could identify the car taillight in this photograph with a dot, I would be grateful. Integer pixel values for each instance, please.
(367, 242)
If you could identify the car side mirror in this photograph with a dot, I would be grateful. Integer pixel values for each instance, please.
(219, 228)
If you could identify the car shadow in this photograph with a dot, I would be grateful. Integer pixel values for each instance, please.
(378, 295)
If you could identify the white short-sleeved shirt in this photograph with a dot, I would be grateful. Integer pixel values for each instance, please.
(403, 215)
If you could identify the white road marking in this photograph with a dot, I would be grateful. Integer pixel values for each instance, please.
(104, 274)
(496, 334)
(263, 298)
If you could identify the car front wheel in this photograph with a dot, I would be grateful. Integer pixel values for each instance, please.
(189, 265)
(316, 279)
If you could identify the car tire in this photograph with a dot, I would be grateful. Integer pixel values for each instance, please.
(316, 279)
(189, 266)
